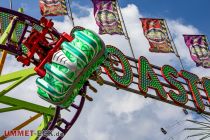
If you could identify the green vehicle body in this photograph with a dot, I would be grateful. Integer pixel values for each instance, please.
(71, 67)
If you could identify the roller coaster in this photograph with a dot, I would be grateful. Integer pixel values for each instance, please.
(64, 63)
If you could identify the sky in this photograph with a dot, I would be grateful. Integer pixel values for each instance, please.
(119, 115)
(188, 11)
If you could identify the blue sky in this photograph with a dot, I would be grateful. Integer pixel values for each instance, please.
(107, 116)
(191, 12)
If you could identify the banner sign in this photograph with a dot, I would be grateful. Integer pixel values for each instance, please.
(107, 17)
(199, 51)
(53, 7)
(156, 33)
(148, 79)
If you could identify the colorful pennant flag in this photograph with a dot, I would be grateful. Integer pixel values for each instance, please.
(107, 17)
(199, 51)
(53, 7)
(156, 33)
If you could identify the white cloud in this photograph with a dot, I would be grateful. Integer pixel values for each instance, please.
(127, 116)
(116, 114)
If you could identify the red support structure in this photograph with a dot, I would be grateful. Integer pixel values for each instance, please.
(37, 43)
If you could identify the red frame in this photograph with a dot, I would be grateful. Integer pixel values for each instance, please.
(35, 47)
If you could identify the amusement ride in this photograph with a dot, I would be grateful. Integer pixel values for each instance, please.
(65, 63)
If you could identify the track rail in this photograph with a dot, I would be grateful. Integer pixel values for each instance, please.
(58, 119)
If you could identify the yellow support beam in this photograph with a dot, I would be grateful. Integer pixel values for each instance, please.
(2, 60)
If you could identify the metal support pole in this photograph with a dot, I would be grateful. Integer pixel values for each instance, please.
(2, 60)
(174, 48)
(126, 32)
(208, 43)
(199, 134)
(205, 137)
(26, 105)
(10, 4)
(71, 15)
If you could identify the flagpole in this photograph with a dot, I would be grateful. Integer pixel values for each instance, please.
(126, 32)
(207, 41)
(10, 3)
(174, 48)
(71, 15)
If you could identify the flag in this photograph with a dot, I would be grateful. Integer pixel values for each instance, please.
(199, 50)
(53, 7)
(107, 17)
(156, 33)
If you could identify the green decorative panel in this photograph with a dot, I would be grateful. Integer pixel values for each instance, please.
(127, 78)
(5, 19)
(192, 81)
(149, 79)
(19, 29)
(169, 73)
(206, 85)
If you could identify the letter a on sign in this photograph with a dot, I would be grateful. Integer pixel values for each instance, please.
(149, 79)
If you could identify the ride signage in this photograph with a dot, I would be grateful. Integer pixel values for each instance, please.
(148, 79)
